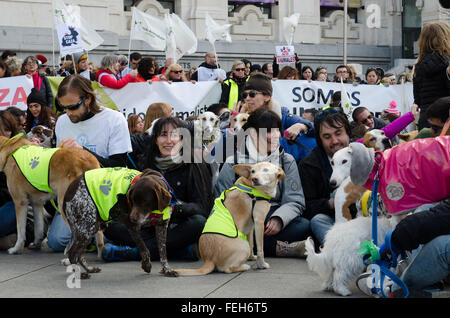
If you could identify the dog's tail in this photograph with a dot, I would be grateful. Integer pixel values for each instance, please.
(317, 262)
(207, 268)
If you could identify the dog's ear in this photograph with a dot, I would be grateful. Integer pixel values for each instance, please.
(362, 163)
(48, 132)
(281, 175)
(163, 195)
(243, 170)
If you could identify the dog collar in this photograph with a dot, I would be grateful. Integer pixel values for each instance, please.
(135, 179)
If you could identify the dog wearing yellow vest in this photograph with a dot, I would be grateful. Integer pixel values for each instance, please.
(227, 239)
(44, 174)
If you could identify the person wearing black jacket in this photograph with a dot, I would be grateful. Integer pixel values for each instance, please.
(332, 133)
(431, 79)
(192, 185)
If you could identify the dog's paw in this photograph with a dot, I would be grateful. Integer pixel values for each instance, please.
(252, 258)
(343, 291)
(84, 275)
(261, 264)
(65, 262)
(146, 266)
(14, 250)
(169, 272)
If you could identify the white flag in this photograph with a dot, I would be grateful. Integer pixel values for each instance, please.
(215, 31)
(171, 45)
(345, 102)
(70, 15)
(185, 40)
(289, 26)
(149, 29)
(70, 41)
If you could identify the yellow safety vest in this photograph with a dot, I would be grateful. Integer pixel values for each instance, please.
(34, 163)
(233, 98)
(220, 221)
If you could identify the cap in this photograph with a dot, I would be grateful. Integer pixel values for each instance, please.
(42, 59)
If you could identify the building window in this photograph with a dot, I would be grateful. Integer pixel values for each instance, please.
(265, 6)
(166, 4)
(329, 6)
(411, 27)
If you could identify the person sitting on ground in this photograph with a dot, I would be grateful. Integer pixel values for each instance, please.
(285, 228)
(107, 73)
(438, 115)
(191, 183)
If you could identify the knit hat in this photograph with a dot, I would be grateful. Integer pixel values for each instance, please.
(259, 82)
(79, 56)
(36, 97)
(392, 108)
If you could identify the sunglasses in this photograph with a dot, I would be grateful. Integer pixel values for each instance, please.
(177, 72)
(70, 107)
(365, 120)
(123, 63)
(329, 111)
(239, 69)
(251, 94)
(436, 128)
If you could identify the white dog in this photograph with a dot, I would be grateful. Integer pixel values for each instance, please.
(347, 192)
(338, 262)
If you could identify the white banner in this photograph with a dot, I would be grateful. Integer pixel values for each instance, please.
(14, 91)
(189, 99)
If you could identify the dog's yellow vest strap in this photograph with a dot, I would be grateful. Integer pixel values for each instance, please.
(165, 213)
(34, 163)
(104, 184)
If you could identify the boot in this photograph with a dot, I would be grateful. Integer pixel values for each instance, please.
(294, 249)
(8, 241)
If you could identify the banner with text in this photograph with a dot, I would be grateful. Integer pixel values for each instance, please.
(189, 99)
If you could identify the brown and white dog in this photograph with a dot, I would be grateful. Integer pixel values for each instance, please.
(347, 193)
(146, 193)
(229, 254)
(239, 121)
(66, 165)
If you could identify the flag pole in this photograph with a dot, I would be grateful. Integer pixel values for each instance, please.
(131, 30)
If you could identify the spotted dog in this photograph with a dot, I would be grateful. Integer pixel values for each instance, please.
(129, 196)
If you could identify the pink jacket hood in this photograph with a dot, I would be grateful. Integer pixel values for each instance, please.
(413, 174)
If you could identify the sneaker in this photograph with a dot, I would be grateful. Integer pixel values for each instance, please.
(114, 253)
(363, 284)
(366, 283)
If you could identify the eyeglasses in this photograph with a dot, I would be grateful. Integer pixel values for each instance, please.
(338, 72)
(70, 107)
(239, 69)
(364, 121)
(329, 111)
(252, 94)
(123, 63)
(178, 72)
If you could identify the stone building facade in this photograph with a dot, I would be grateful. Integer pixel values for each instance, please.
(26, 27)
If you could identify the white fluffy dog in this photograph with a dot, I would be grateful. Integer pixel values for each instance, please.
(338, 262)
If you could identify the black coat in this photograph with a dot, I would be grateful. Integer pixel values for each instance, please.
(46, 90)
(430, 83)
(420, 228)
(315, 173)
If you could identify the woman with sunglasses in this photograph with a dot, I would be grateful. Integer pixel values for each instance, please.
(40, 82)
(233, 87)
(175, 73)
(107, 74)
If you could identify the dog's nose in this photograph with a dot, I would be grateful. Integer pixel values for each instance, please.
(255, 181)
(333, 183)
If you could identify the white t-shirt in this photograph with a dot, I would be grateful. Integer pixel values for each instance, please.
(105, 134)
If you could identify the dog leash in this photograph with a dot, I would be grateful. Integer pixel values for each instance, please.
(286, 134)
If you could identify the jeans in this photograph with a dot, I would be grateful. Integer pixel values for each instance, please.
(430, 265)
(58, 234)
(320, 224)
(297, 230)
(7, 219)
(180, 234)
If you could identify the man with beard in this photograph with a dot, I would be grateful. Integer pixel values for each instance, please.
(101, 131)
(332, 133)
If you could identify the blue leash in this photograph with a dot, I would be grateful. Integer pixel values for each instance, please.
(381, 267)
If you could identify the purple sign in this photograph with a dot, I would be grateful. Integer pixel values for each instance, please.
(339, 4)
(254, 1)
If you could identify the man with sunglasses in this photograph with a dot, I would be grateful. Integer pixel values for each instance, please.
(332, 133)
(233, 87)
(101, 131)
(362, 116)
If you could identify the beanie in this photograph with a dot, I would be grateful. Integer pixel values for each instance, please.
(392, 108)
(79, 56)
(259, 82)
(36, 97)
(42, 59)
